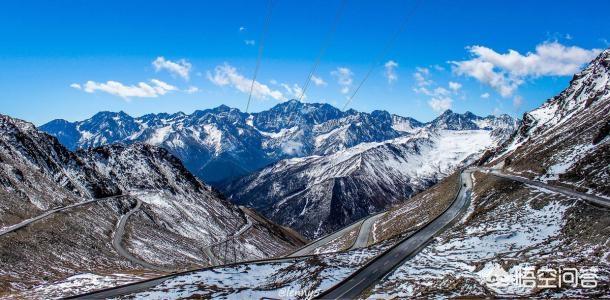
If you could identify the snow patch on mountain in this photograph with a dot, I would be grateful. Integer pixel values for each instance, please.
(317, 194)
(223, 143)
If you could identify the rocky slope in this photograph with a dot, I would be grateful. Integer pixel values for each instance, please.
(565, 141)
(180, 216)
(513, 228)
(319, 194)
(223, 143)
(37, 173)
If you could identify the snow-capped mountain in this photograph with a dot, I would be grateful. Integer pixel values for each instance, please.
(511, 226)
(566, 139)
(178, 214)
(319, 194)
(38, 173)
(223, 143)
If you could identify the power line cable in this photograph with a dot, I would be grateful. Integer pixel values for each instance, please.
(325, 45)
(260, 50)
(384, 51)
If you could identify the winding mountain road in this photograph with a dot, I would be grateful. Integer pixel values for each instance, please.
(118, 237)
(27, 222)
(309, 248)
(120, 232)
(365, 231)
(355, 284)
(605, 202)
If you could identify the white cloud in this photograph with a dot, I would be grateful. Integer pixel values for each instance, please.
(226, 75)
(141, 90)
(455, 86)
(76, 86)
(438, 68)
(421, 77)
(293, 91)
(318, 81)
(192, 90)
(423, 70)
(506, 72)
(517, 101)
(250, 42)
(440, 104)
(273, 81)
(242, 28)
(440, 99)
(439, 91)
(181, 67)
(390, 71)
(485, 95)
(344, 78)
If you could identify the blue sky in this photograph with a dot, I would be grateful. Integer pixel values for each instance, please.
(71, 59)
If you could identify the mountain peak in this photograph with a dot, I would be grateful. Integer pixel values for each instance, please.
(293, 101)
(470, 115)
(222, 108)
(111, 114)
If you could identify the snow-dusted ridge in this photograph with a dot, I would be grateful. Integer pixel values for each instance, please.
(222, 143)
(318, 194)
(171, 213)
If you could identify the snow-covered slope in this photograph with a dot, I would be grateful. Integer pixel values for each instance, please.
(566, 139)
(178, 218)
(37, 173)
(513, 229)
(509, 231)
(318, 194)
(223, 143)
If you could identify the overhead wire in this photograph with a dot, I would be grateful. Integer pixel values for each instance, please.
(261, 46)
(384, 51)
(323, 48)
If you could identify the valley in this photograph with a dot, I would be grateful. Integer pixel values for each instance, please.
(305, 200)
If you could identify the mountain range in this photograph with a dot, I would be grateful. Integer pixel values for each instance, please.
(308, 166)
(223, 143)
(319, 194)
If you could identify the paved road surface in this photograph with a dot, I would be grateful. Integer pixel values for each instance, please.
(353, 286)
(27, 222)
(118, 237)
(365, 231)
(308, 249)
(605, 202)
(147, 284)
(141, 286)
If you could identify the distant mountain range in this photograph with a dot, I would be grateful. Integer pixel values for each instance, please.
(309, 166)
(321, 193)
(223, 143)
